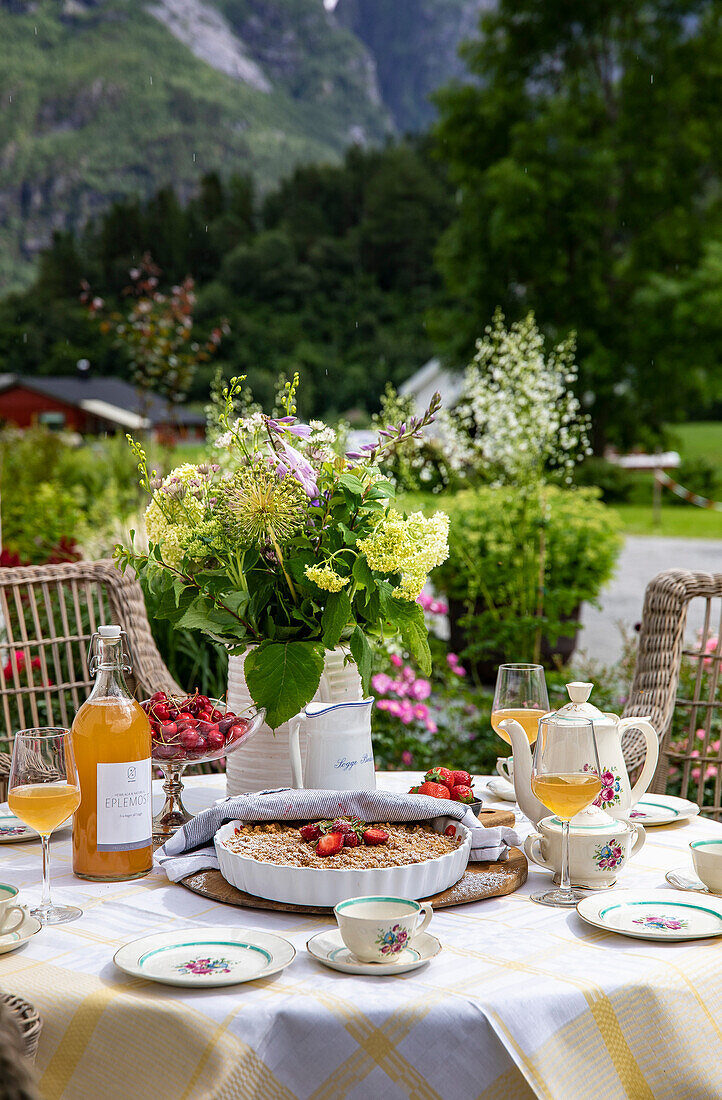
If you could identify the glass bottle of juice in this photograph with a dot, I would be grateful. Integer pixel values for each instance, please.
(112, 827)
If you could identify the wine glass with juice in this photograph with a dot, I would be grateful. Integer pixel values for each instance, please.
(521, 694)
(43, 792)
(566, 779)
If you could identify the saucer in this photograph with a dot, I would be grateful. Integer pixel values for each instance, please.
(501, 788)
(666, 915)
(328, 948)
(10, 940)
(205, 957)
(684, 878)
(13, 830)
(662, 809)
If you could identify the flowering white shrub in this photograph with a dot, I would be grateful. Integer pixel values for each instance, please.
(517, 414)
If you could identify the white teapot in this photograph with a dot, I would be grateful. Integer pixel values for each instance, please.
(339, 753)
(597, 851)
(617, 796)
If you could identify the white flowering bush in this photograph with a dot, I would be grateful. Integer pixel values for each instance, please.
(518, 416)
(290, 546)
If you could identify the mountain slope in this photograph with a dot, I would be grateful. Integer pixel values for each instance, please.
(104, 98)
(414, 44)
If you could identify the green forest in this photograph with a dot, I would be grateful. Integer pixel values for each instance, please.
(576, 172)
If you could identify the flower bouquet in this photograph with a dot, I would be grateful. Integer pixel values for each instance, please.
(287, 546)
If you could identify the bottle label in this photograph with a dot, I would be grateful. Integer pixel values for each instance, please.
(124, 806)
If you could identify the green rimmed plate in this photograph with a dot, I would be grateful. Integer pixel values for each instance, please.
(663, 915)
(662, 809)
(202, 958)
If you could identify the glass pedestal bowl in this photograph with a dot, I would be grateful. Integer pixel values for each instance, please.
(173, 750)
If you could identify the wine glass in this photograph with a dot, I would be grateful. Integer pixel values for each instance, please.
(521, 693)
(43, 792)
(566, 779)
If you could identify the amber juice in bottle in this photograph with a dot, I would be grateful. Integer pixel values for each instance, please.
(112, 827)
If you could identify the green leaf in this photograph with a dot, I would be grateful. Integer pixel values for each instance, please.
(352, 484)
(335, 616)
(362, 574)
(408, 618)
(283, 677)
(363, 656)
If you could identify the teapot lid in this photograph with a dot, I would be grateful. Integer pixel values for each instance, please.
(593, 819)
(579, 693)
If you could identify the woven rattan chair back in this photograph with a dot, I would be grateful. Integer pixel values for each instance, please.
(48, 614)
(690, 750)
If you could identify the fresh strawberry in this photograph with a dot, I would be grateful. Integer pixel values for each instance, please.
(462, 793)
(461, 778)
(342, 825)
(450, 830)
(414, 790)
(329, 844)
(375, 836)
(435, 790)
(440, 775)
(310, 832)
(350, 840)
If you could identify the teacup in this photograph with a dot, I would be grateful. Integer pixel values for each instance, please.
(7, 908)
(505, 768)
(377, 929)
(707, 859)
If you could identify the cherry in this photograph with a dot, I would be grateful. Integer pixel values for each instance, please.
(167, 752)
(186, 716)
(215, 740)
(225, 723)
(161, 712)
(235, 732)
(190, 740)
(216, 715)
(168, 730)
(159, 697)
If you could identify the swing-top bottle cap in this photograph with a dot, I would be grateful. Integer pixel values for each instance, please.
(109, 631)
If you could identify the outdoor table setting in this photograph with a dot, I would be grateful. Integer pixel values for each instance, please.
(521, 1000)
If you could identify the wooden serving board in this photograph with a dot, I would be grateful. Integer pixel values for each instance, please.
(480, 880)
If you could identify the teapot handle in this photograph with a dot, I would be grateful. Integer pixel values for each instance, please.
(651, 757)
(294, 744)
(533, 851)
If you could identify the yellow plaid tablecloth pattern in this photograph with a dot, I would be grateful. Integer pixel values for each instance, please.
(523, 1001)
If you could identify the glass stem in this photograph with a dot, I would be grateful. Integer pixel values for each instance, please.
(46, 901)
(565, 885)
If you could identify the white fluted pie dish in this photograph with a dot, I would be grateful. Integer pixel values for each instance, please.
(326, 887)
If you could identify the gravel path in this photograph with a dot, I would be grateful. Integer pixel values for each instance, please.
(621, 601)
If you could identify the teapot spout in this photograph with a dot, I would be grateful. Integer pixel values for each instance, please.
(530, 805)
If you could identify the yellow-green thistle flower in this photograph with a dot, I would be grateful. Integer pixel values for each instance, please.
(411, 547)
(326, 577)
(260, 507)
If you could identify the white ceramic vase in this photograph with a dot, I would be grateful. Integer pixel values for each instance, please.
(265, 762)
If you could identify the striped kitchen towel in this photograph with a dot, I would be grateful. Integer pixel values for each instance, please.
(191, 848)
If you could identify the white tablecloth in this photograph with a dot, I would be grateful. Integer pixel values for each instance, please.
(522, 1001)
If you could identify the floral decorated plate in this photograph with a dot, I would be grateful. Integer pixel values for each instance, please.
(205, 957)
(662, 809)
(654, 914)
(13, 830)
(328, 948)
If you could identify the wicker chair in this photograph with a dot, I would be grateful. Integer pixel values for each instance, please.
(656, 679)
(20, 1029)
(47, 616)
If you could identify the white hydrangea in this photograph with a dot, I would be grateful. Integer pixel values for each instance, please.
(517, 413)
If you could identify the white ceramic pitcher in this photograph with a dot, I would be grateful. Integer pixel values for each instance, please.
(339, 753)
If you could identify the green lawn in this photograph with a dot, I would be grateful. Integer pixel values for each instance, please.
(684, 522)
(702, 439)
(699, 440)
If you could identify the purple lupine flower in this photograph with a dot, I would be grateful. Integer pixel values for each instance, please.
(301, 469)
